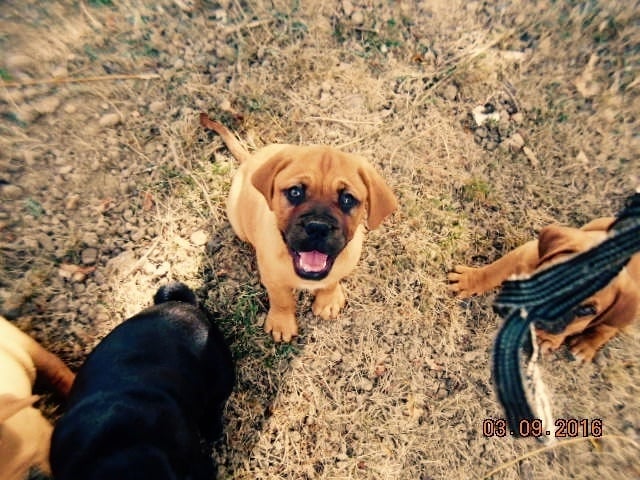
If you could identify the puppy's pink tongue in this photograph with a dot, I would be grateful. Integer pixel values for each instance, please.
(313, 261)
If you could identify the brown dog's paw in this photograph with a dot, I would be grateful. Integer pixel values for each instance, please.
(582, 348)
(282, 327)
(463, 281)
(328, 303)
(549, 342)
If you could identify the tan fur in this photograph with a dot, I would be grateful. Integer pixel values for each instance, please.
(24, 433)
(259, 213)
(616, 305)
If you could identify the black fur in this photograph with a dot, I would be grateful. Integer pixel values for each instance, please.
(146, 397)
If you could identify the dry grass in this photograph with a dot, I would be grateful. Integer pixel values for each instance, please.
(399, 386)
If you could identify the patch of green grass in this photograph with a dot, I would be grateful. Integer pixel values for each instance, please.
(5, 75)
(476, 190)
(101, 3)
(34, 207)
(282, 352)
(13, 118)
(90, 52)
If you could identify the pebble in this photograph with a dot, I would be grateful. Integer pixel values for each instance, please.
(110, 120)
(162, 269)
(357, 17)
(10, 192)
(157, 106)
(199, 238)
(46, 105)
(17, 61)
(91, 239)
(46, 242)
(365, 384)
(347, 7)
(450, 92)
(89, 256)
(515, 142)
(72, 202)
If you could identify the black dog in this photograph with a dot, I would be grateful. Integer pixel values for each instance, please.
(147, 396)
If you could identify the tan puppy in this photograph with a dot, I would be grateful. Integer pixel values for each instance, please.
(597, 319)
(24, 433)
(304, 210)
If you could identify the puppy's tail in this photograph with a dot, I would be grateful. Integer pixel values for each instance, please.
(230, 140)
(175, 291)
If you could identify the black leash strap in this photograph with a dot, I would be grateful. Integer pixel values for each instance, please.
(548, 300)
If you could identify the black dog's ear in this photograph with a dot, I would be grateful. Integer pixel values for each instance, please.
(175, 291)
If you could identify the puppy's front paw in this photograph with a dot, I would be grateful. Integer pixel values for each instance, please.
(549, 342)
(329, 302)
(281, 326)
(582, 348)
(464, 281)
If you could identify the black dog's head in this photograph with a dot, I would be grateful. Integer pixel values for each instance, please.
(147, 396)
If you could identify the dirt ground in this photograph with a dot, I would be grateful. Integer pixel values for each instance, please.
(110, 188)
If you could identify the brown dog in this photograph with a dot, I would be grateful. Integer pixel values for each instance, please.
(304, 210)
(598, 319)
(24, 433)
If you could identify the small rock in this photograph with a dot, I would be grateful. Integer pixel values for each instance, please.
(515, 142)
(365, 384)
(199, 238)
(89, 256)
(46, 242)
(10, 192)
(481, 132)
(60, 72)
(357, 17)
(90, 238)
(46, 105)
(72, 202)
(347, 7)
(149, 268)
(29, 157)
(178, 64)
(157, 106)
(65, 170)
(517, 118)
(530, 156)
(162, 269)
(70, 108)
(110, 120)
(17, 61)
(450, 92)
(482, 115)
(28, 114)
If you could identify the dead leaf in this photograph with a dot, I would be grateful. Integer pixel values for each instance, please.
(147, 201)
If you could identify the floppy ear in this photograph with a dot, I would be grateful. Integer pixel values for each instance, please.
(263, 179)
(555, 239)
(10, 405)
(624, 308)
(381, 201)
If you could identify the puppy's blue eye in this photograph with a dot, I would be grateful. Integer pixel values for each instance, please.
(295, 194)
(346, 201)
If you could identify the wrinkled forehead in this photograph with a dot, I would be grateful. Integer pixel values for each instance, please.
(323, 171)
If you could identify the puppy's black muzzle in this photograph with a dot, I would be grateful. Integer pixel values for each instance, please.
(316, 231)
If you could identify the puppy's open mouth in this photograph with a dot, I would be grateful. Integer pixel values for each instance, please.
(312, 265)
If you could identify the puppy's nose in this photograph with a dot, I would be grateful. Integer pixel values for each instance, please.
(316, 229)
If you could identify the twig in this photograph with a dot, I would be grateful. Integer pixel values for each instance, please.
(99, 78)
(340, 120)
(556, 445)
(142, 259)
(247, 26)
